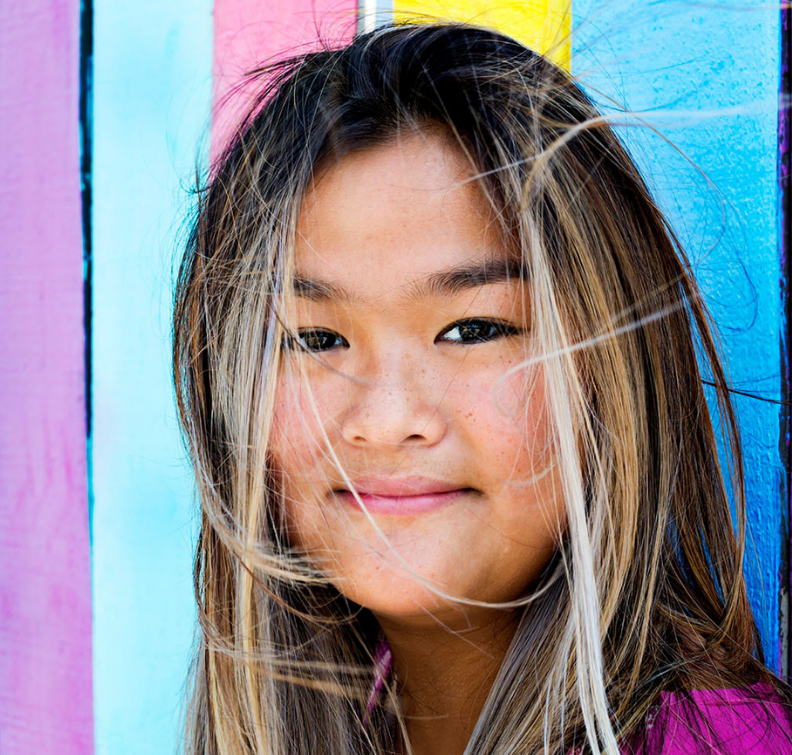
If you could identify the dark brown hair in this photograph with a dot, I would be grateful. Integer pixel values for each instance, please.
(647, 592)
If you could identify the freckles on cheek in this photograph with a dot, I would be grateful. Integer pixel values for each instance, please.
(521, 399)
(507, 420)
(296, 432)
(513, 402)
(305, 421)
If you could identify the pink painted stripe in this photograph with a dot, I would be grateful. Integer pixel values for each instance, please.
(251, 32)
(45, 590)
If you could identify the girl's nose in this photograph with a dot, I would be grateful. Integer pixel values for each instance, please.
(393, 409)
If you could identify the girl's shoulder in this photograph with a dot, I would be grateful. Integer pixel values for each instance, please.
(746, 721)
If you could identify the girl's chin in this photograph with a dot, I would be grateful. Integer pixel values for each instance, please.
(392, 599)
(410, 604)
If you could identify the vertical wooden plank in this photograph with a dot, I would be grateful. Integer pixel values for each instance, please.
(542, 25)
(785, 218)
(707, 75)
(152, 94)
(249, 33)
(45, 593)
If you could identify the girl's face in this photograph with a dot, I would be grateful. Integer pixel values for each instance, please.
(412, 318)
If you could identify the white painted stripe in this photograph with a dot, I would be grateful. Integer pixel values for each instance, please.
(374, 13)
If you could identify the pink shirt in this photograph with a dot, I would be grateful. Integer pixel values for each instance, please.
(749, 721)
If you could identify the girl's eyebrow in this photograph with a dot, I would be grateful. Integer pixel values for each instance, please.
(444, 282)
(457, 279)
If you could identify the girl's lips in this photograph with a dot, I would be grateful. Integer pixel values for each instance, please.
(406, 496)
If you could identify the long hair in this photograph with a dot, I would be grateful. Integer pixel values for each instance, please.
(646, 593)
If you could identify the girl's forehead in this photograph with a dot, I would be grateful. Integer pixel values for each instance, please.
(409, 208)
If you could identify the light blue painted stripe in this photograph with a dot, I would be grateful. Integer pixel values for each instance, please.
(708, 76)
(374, 13)
(152, 98)
(385, 10)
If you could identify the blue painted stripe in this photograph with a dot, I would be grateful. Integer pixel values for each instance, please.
(708, 75)
(152, 99)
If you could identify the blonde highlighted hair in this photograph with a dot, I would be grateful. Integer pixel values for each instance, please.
(646, 592)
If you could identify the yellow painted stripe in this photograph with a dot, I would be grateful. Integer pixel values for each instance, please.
(542, 25)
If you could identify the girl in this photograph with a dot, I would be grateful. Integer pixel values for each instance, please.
(439, 362)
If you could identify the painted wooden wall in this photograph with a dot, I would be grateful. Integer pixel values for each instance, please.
(45, 589)
(96, 607)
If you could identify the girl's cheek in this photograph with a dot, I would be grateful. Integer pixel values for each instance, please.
(506, 402)
(300, 422)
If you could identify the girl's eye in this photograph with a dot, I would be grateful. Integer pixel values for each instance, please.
(477, 330)
(316, 339)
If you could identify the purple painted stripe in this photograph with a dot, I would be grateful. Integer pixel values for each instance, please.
(45, 592)
(249, 33)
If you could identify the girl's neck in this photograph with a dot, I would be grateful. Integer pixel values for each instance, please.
(445, 675)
